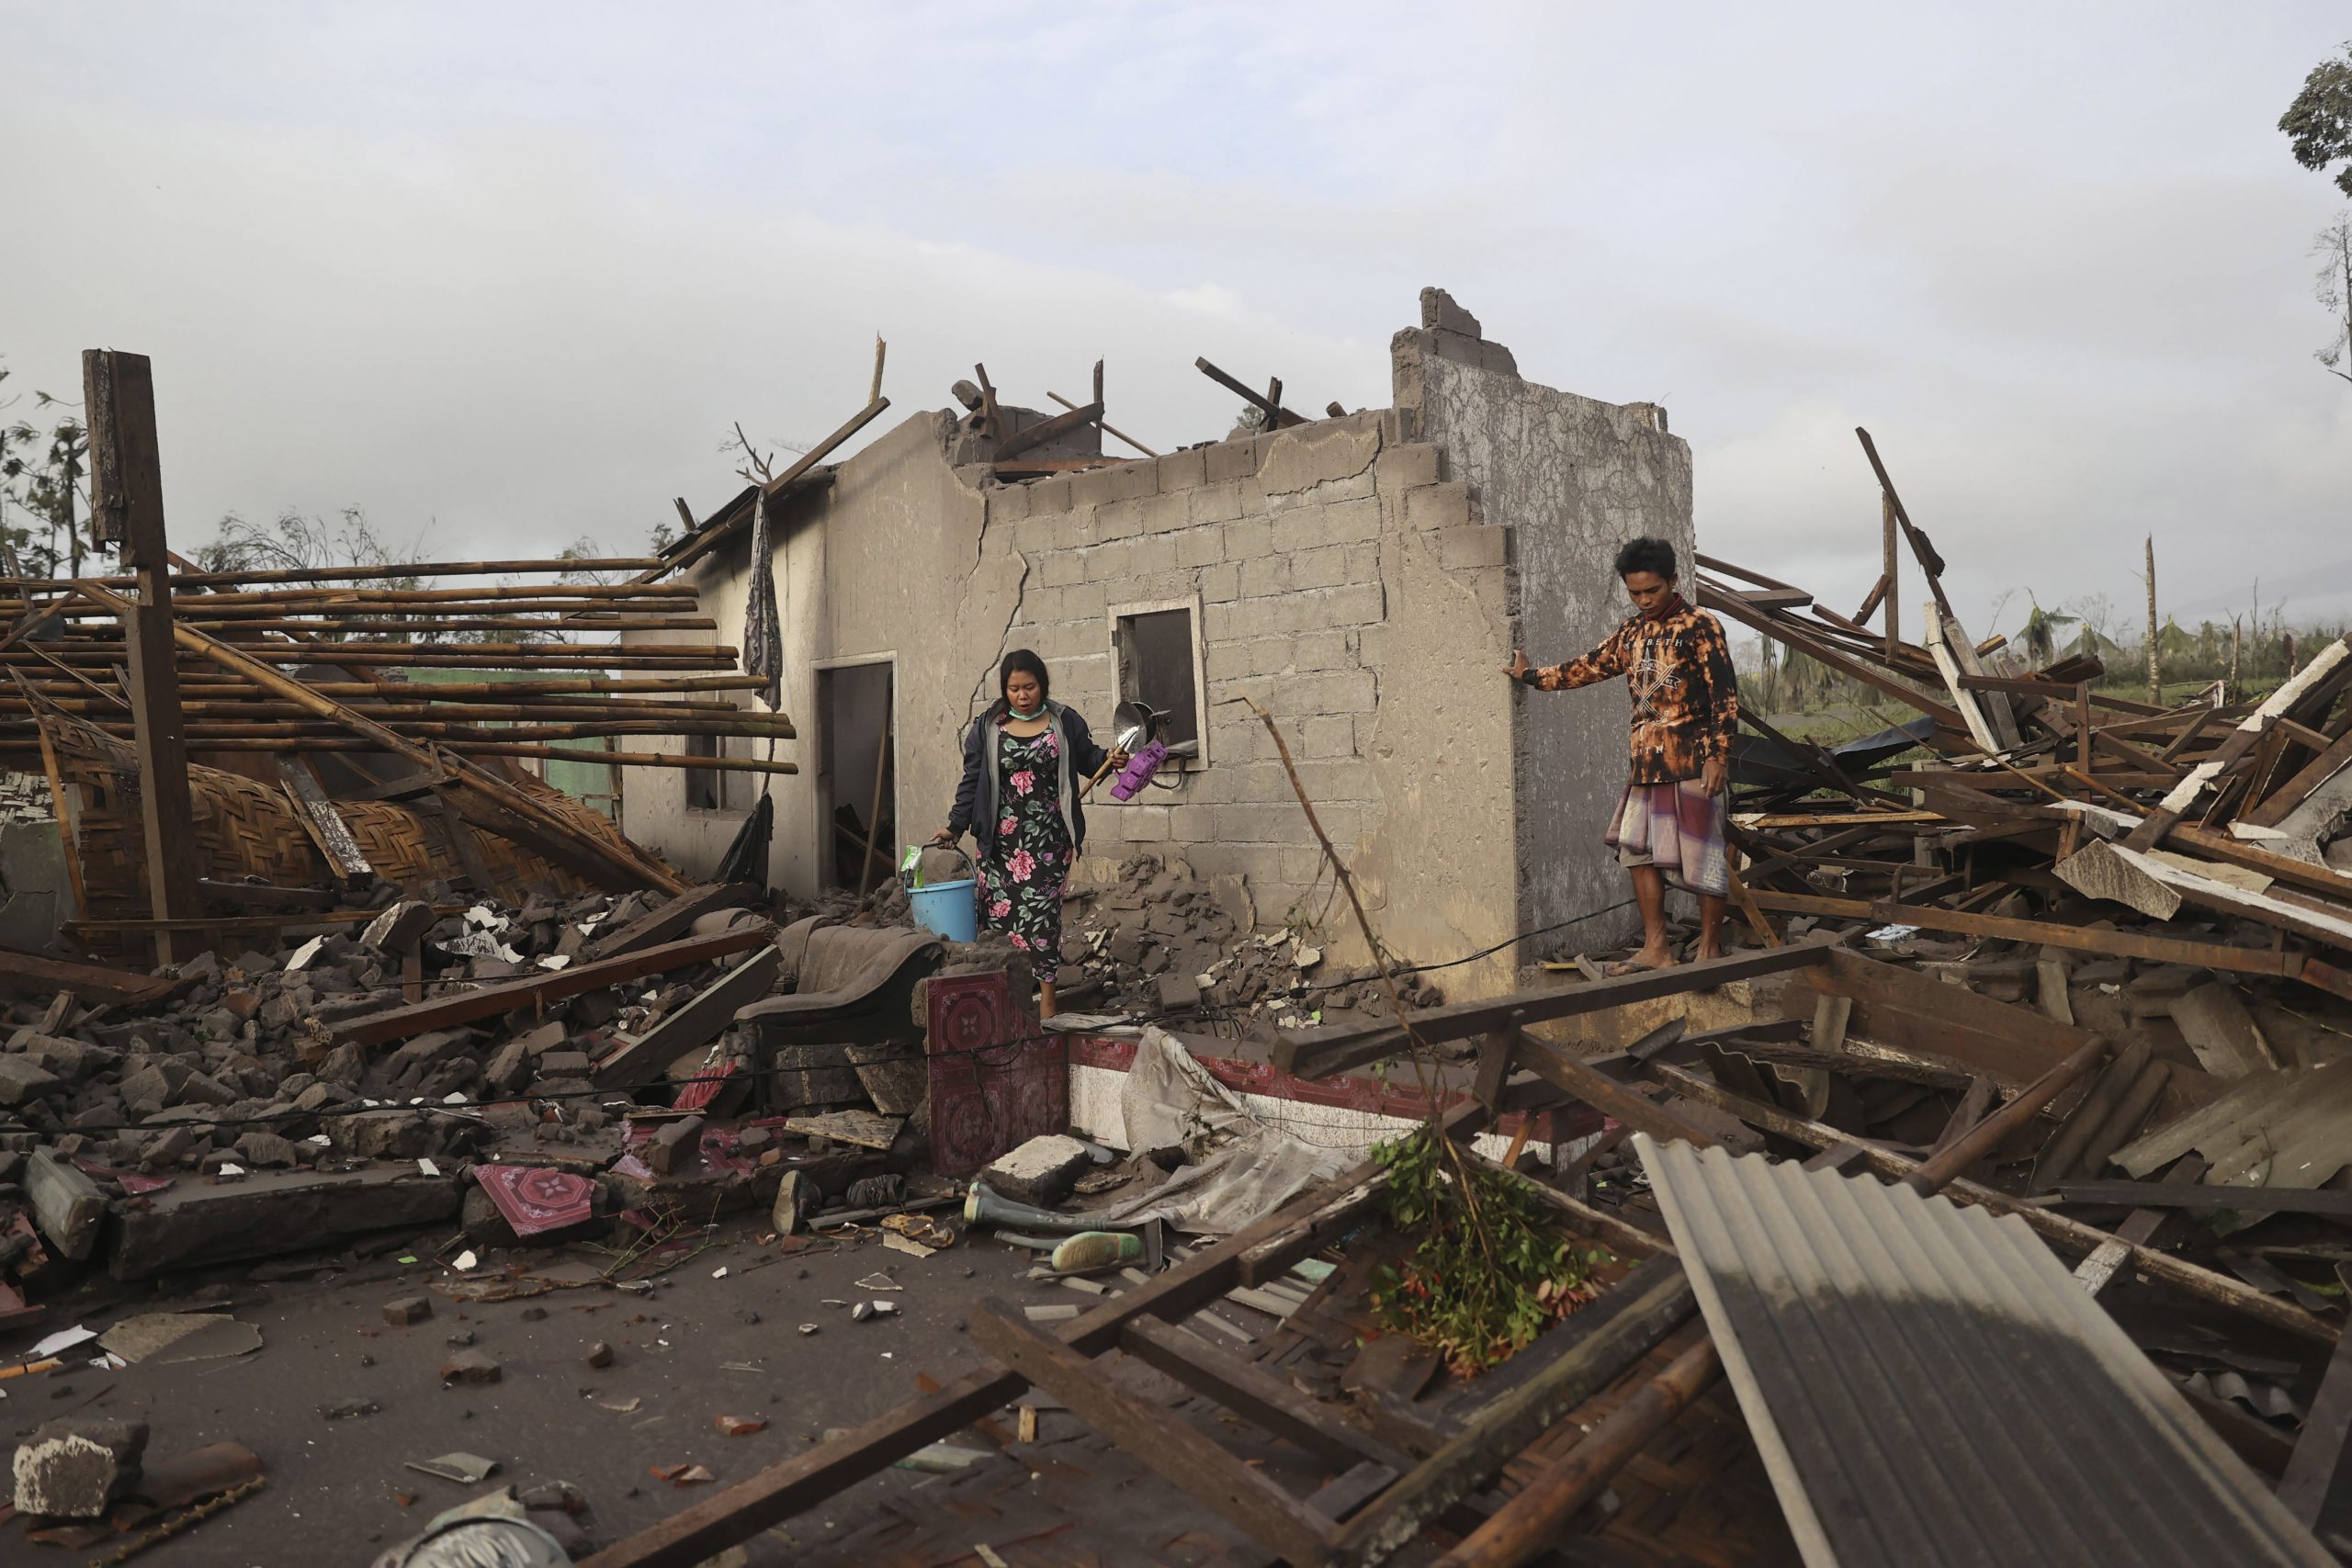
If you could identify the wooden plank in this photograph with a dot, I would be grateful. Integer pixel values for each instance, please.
(535, 991)
(737, 1514)
(2082, 939)
(2317, 1464)
(2138, 1228)
(319, 819)
(2068, 1235)
(1254, 1393)
(1557, 1066)
(2250, 730)
(126, 508)
(1820, 648)
(465, 846)
(1315, 1054)
(30, 973)
(697, 545)
(266, 895)
(694, 1023)
(1943, 1026)
(2282, 802)
(1619, 1329)
(2320, 879)
(1179, 1451)
(2241, 1200)
(668, 921)
(1922, 549)
(1277, 417)
(1052, 428)
(1988, 723)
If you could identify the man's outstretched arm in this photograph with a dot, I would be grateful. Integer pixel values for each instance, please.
(1609, 659)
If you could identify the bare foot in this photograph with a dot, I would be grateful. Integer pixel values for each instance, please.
(1704, 953)
(1646, 959)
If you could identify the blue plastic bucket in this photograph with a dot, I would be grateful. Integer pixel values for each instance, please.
(946, 908)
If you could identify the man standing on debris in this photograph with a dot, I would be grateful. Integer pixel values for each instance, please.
(1669, 821)
(1024, 760)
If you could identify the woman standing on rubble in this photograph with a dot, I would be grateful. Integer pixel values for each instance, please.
(1024, 762)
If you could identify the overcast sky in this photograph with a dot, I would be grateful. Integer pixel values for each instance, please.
(503, 275)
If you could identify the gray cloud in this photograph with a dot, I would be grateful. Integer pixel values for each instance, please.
(507, 274)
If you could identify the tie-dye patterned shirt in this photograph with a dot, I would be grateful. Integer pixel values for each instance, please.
(1686, 698)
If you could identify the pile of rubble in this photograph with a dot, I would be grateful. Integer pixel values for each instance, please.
(1160, 941)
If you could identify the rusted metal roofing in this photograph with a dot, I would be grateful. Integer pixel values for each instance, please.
(1929, 1385)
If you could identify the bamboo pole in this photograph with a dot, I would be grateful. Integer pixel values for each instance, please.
(361, 573)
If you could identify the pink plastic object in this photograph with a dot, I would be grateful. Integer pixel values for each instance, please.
(1138, 771)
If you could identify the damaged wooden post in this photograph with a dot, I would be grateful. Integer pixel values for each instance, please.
(126, 510)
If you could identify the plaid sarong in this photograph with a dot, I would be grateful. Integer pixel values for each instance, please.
(1678, 827)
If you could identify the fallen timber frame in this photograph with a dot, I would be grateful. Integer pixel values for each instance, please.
(514, 814)
(1319, 1054)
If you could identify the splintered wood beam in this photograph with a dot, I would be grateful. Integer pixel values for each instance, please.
(2250, 730)
(1277, 416)
(1047, 430)
(2316, 1468)
(1251, 1390)
(1561, 1068)
(2281, 803)
(1925, 552)
(127, 510)
(325, 825)
(709, 539)
(1108, 428)
(1869, 675)
(1872, 600)
(534, 991)
(1315, 1054)
(31, 974)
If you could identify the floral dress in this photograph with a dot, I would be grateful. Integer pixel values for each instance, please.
(1022, 876)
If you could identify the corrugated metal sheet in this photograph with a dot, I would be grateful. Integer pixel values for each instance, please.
(1929, 1385)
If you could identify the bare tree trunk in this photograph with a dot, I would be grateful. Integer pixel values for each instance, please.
(2155, 678)
(2238, 643)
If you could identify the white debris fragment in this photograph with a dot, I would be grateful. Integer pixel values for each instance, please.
(427, 1167)
(466, 1261)
(304, 954)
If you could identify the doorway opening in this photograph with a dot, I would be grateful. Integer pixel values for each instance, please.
(857, 772)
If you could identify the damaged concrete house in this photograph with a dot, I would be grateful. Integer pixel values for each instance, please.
(1364, 576)
(649, 1191)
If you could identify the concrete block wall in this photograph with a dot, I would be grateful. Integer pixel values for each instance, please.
(1572, 478)
(1300, 549)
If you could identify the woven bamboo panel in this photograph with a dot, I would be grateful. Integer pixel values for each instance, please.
(244, 827)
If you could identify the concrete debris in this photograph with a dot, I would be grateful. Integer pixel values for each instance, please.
(1041, 1172)
(73, 1468)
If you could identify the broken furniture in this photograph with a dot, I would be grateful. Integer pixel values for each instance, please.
(853, 987)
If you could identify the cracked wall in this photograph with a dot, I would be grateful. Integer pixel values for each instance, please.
(1360, 577)
(1343, 586)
